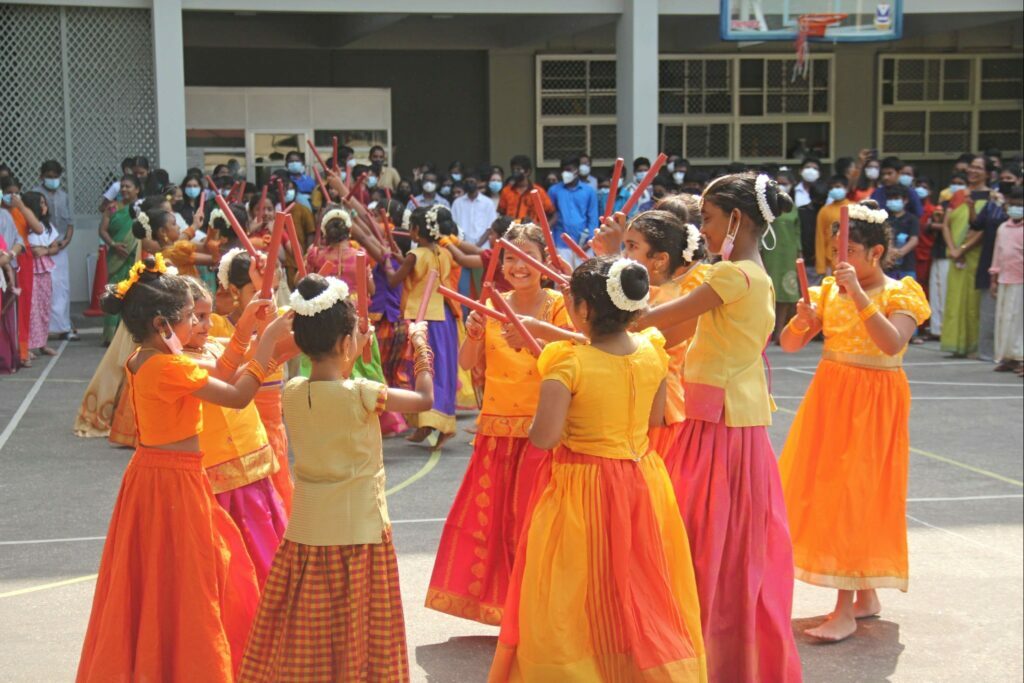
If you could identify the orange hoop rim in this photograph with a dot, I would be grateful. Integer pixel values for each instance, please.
(816, 24)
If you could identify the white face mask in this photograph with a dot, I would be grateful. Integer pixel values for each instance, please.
(429, 186)
(640, 175)
(584, 170)
(679, 177)
(568, 177)
(810, 174)
(671, 166)
(871, 173)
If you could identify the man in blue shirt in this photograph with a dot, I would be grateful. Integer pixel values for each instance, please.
(576, 209)
(890, 177)
(295, 162)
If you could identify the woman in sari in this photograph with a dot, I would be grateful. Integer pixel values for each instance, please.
(122, 247)
(962, 313)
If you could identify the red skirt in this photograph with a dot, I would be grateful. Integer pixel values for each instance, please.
(329, 613)
(268, 404)
(176, 592)
(478, 545)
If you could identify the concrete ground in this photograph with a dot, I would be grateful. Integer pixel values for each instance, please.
(961, 621)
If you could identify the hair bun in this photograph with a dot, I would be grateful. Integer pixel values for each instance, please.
(636, 283)
(110, 302)
(870, 204)
(311, 286)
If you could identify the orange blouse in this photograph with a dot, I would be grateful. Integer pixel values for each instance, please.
(183, 255)
(165, 409)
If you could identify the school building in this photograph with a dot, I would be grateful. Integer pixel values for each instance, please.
(197, 82)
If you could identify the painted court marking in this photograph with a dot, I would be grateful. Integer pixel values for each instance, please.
(965, 539)
(30, 396)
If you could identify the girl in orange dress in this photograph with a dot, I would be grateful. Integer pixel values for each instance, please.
(478, 545)
(176, 591)
(603, 586)
(159, 225)
(844, 467)
(724, 471)
(671, 250)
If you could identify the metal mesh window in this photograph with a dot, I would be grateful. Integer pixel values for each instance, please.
(1002, 79)
(577, 87)
(694, 86)
(904, 131)
(1000, 129)
(761, 140)
(949, 131)
(926, 79)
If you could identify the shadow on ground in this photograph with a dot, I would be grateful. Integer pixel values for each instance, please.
(457, 660)
(869, 656)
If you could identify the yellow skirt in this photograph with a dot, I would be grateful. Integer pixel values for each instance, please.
(844, 477)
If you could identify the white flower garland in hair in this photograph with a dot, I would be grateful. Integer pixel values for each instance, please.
(224, 267)
(333, 214)
(615, 291)
(217, 213)
(859, 212)
(406, 217)
(761, 194)
(335, 292)
(692, 242)
(432, 225)
(143, 219)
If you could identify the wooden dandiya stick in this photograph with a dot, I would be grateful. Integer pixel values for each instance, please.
(499, 302)
(473, 305)
(293, 237)
(416, 204)
(334, 147)
(576, 249)
(316, 154)
(326, 270)
(652, 173)
(263, 195)
(427, 293)
(843, 242)
(288, 209)
(367, 218)
(241, 191)
(614, 187)
(542, 220)
(362, 300)
(801, 273)
(280, 190)
(400, 233)
(492, 270)
(323, 186)
(202, 203)
(275, 246)
(243, 237)
(542, 268)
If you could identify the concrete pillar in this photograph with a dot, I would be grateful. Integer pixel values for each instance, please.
(169, 71)
(512, 116)
(636, 77)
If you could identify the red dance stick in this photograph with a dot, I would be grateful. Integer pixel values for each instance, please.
(362, 300)
(272, 250)
(240, 185)
(334, 146)
(415, 204)
(400, 233)
(263, 195)
(316, 154)
(576, 249)
(427, 293)
(542, 268)
(614, 187)
(652, 173)
(202, 203)
(492, 269)
(843, 244)
(472, 305)
(500, 303)
(280, 190)
(293, 237)
(288, 209)
(323, 187)
(239, 231)
(542, 220)
(387, 193)
(801, 273)
(327, 270)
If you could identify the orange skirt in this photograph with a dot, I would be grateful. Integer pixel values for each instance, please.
(123, 431)
(176, 593)
(603, 587)
(664, 440)
(844, 477)
(268, 404)
(329, 613)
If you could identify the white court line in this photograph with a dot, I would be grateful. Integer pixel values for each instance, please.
(915, 399)
(959, 498)
(964, 538)
(30, 396)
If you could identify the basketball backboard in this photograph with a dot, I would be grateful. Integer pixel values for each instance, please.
(864, 20)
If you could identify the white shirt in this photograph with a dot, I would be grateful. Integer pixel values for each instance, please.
(112, 191)
(474, 216)
(802, 197)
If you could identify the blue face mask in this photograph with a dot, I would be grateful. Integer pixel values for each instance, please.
(296, 167)
(371, 182)
(922, 192)
(1015, 212)
(837, 194)
(956, 187)
(906, 180)
(456, 177)
(289, 196)
(640, 175)
(51, 183)
(494, 186)
(894, 205)
(192, 192)
(7, 199)
(602, 196)
(446, 190)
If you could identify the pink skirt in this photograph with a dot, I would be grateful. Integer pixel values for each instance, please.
(39, 322)
(258, 512)
(727, 483)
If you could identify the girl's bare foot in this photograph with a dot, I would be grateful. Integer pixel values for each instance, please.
(419, 435)
(867, 605)
(47, 351)
(837, 627)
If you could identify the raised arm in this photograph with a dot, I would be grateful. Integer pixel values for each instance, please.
(422, 397)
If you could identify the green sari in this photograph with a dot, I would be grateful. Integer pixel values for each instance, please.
(120, 229)
(961, 317)
(780, 262)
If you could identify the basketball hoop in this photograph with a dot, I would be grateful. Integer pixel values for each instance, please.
(811, 26)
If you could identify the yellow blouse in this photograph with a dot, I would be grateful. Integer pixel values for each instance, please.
(415, 285)
(221, 327)
(236, 450)
(724, 374)
(846, 336)
(512, 384)
(611, 395)
(183, 255)
(334, 431)
(677, 288)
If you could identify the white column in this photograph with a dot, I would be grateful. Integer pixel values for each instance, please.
(636, 77)
(169, 70)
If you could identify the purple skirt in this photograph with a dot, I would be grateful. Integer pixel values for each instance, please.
(443, 336)
(258, 512)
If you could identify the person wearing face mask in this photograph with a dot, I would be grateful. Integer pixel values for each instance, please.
(905, 230)
(926, 238)
(456, 172)
(677, 167)
(907, 175)
(60, 277)
(809, 195)
(429, 196)
(780, 260)
(891, 170)
(1007, 286)
(112, 194)
(810, 173)
(576, 209)
(302, 217)
(495, 182)
(824, 243)
(641, 165)
(295, 163)
(363, 182)
(388, 177)
(473, 212)
(515, 201)
(586, 171)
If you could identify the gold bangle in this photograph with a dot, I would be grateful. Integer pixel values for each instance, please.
(237, 345)
(228, 365)
(868, 311)
(799, 330)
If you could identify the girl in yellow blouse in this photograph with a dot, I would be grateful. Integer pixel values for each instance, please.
(603, 586)
(844, 467)
(724, 471)
(671, 249)
(332, 609)
(478, 545)
(159, 226)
